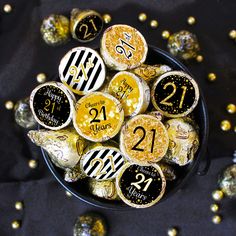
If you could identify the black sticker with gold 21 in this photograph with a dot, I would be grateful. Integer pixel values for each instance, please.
(140, 186)
(175, 94)
(102, 163)
(82, 70)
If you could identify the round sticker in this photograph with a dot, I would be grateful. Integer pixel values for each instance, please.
(140, 186)
(102, 163)
(82, 70)
(175, 94)
(52, 105)
(144, 139)
(98, 116)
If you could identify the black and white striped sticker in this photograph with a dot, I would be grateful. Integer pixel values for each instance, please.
(83, 70)
(102, 163)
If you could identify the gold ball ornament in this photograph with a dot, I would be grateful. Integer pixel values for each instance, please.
(214, 207)
(15, 224)
(172, 232)
(216, 219)
(19, 206)
(232, 34)
(41, 78)
(7, 8)
(68, 194)
(211, 77)
(9, 105)
(225, 125)
(32, 164)
(165, 34)
(231, 108)
(217, 195)
(199, 58)
(154, 24)
(106, 18)
(142, 17)
(191, 20)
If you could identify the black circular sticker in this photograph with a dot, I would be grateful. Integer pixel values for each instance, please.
(51, 106)
(89, 27)
(141, 186)
(175, 94)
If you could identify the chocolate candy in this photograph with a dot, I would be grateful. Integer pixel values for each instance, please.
(85, 25)
(123, 47)
(98, 116)
(73, 174)
(132, 91)
(82, 70)
(102, 162)
(144, 139)
(184, 141)
(150, 72)
(52, 105)
(175, 94)
(140, 186)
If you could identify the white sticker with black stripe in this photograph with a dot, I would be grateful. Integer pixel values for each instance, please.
(82, 70)
(102, 163)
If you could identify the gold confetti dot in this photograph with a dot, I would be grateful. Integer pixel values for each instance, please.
(199, 58)
(142, 17)
(225, 125)
(68, 194)
(214, 207)
(217, 195)
(106, 18)
(191, 20)
(33, 164)
(231, 108)
(165, 34)
(19, 206)
(41, 77)
(154, 24)
(15, 224)
(216, 219)
(232, 34)
(7, 8)
(172, 232)
(211, 77)
(235, 129)
(9, 105)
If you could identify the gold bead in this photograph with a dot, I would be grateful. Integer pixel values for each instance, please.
(19, 206)
(217, 195)
(142, 17)
(165, 34)
(232, 34)
(231, 108)
(199, 58)
(214, 207)
(7, 8)
(172, 232)
(68, 194)
(216, 219)
(33, 164)
(41, 77)
(235, 129)
(9, 105)
(15, 224)
(211, 77)
(191, 20)
(154, 24)
(225, 125)
(106, 18)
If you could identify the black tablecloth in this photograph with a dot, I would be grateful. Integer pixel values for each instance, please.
(23, 54)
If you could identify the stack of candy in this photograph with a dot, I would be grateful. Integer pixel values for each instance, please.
(117, 123)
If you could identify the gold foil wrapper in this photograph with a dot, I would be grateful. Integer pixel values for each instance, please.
(104, 189)
(65, 147)
(150, 72)
(184, 141)
(73, 174)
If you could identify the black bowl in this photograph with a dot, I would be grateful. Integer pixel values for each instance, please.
(80, 190)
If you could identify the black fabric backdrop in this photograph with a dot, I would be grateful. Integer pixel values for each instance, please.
(48, 211)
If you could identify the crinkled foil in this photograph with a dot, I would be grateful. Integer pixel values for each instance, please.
(74, 174)
(65, 146)
(183, 141)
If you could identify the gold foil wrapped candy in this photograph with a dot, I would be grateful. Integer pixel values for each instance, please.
(184, 141)
(65, 147)
(55, 30)
(104, 189)
(74, 174)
